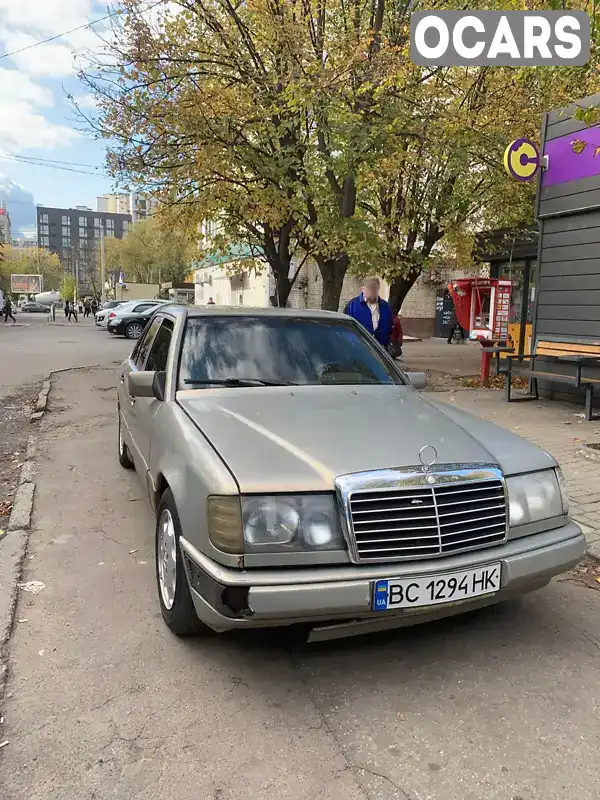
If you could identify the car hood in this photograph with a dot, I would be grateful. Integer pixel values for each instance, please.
(278, 439)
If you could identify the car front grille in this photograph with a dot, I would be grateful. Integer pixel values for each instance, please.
(421, 521)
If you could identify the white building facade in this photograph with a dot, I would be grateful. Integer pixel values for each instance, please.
(249, 282)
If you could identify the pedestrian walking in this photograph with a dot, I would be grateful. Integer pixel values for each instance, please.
(210, 302)
(72, 312)
(87, 307)
(94, 306)
(66, 308)
(372, 311)
(80, 307)
(7, 310)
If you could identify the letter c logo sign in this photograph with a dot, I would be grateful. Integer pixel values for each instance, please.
(522, 159)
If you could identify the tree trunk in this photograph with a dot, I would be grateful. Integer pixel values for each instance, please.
(333, 271)
(400, 287)
(284, 286)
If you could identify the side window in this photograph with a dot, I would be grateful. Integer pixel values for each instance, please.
(143, 307)
(157, 360)
(139, 355)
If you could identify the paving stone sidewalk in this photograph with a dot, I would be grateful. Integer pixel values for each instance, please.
(558, 428)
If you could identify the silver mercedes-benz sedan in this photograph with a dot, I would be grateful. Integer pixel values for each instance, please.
(298, 476)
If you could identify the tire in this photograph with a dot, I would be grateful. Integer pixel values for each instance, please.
(175, 601)
(125, 459)
(134, 330)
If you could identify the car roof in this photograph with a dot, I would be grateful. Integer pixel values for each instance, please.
(142, 300)
(249, 311)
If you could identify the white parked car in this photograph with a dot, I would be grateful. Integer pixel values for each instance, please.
(101, 316)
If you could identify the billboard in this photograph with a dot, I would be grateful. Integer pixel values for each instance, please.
(26, 284)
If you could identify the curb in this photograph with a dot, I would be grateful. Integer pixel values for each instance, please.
(14, 547)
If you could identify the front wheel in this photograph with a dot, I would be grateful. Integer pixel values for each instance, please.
(134, 330)
(174, 593)
(125, 459)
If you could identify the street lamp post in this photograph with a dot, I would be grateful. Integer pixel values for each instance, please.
(102, 276)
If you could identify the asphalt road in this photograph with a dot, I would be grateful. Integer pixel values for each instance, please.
(103, 702)
(33, 347)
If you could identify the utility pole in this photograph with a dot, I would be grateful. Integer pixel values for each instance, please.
(102, 278)
(76, 295)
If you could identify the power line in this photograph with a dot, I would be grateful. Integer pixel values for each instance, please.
(36, 159)
(72, 30)
(55, 166)
(58, 36)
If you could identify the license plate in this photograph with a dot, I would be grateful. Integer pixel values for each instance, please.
(433, 590)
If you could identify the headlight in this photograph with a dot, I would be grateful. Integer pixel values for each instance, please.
(535, 497)
(282, 523)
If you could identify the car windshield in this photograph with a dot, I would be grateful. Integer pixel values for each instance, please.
(280, 350)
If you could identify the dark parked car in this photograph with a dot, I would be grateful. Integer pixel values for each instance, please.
(130, 320)
(35, 308)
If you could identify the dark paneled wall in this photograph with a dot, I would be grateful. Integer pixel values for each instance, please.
(568, 280)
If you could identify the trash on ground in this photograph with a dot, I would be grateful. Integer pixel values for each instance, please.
(4, 743)
(23, 620)
(41, 652)
(131, 552)
(33, 587)
(5, 508)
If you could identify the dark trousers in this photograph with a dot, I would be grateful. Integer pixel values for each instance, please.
(8, 314)
(72, 313)
(86, 312)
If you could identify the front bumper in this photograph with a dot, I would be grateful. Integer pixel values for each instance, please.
(116, 326)
(226, 598)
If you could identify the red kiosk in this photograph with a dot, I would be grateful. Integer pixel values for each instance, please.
(482, 307)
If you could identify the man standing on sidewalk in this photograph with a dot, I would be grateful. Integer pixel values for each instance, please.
(372, 311)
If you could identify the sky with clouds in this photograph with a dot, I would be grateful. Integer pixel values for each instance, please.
(36, 118)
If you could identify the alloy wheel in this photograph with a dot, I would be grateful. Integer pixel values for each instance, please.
(166, 555)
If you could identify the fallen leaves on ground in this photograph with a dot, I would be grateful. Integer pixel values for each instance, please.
(495, 382)
(5, 508)
(586, 573)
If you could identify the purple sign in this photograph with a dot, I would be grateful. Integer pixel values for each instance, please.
(572, 157)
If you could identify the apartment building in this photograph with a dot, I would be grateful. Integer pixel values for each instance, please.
(74, 235)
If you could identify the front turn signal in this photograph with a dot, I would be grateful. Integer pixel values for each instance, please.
(225, 524)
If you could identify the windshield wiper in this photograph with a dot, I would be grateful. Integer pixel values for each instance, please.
(237, 382)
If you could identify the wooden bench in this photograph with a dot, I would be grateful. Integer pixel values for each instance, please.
(576, 355)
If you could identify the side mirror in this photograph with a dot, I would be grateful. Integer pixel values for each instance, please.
(141, 384)
(417, 379)
(158, 385)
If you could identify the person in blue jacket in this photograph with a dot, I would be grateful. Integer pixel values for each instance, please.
(372, 311)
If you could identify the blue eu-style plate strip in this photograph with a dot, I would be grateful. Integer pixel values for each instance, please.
(380, 596)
